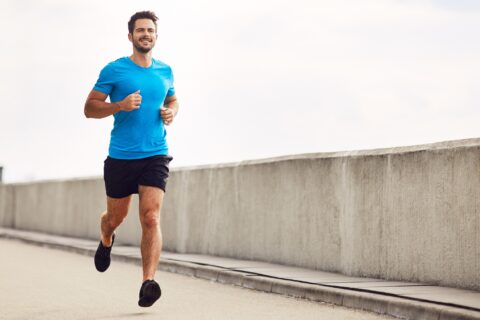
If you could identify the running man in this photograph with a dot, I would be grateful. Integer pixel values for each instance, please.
(143, 102)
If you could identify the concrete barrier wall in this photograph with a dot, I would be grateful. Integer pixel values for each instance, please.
(409, 213)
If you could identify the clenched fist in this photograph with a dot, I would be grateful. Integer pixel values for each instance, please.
(167, 115)
(131, 102)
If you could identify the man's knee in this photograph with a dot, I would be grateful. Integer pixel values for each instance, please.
(150, 219)
(117, 209)
(115, 219)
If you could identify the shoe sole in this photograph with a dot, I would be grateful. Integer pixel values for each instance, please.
(151, 293)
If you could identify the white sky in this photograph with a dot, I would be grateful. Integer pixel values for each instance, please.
(254, 79)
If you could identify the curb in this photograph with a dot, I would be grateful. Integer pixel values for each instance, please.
(397, 307)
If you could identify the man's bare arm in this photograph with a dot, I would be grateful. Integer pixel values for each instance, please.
(96, 107)
(169, 109)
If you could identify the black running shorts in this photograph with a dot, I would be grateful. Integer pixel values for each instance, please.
(122, 177)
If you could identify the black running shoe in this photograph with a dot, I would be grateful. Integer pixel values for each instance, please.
(149, 293)
(102, 256)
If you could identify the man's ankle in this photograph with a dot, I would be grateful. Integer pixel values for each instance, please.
(107, 242)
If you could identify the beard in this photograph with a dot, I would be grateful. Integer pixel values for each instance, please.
(141, 49)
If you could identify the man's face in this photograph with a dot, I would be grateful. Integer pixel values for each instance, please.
(144, 35)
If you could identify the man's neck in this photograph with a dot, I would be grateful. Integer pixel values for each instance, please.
(142, 59)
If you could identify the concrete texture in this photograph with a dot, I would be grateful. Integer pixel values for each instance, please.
(401, 214)
(382, 297)
(7, 208)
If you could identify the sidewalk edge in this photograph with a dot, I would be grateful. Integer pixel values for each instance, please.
(386, 305)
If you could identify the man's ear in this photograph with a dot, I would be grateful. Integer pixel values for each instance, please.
(130, 37)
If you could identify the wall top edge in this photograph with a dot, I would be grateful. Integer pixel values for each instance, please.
(451, 144)
(73, 179)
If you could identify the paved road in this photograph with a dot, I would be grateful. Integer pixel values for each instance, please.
(42, 283)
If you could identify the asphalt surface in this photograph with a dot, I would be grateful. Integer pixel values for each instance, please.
(44, 283)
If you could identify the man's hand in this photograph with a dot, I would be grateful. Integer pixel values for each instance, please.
(167, 115)
(131, 102)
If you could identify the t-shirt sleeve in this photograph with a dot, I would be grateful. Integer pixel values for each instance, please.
(105, 80)
(171, 89)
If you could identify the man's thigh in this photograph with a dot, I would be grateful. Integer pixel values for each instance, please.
(118, 206)
(151, 199)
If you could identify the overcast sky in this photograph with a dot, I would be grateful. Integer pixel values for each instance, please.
(254, 79)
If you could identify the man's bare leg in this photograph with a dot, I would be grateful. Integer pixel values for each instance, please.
(117, 210)
(151, 200)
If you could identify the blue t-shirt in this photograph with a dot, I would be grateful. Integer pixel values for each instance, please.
(139, 133)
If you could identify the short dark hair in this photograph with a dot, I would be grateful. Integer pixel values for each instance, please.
(142, 15)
